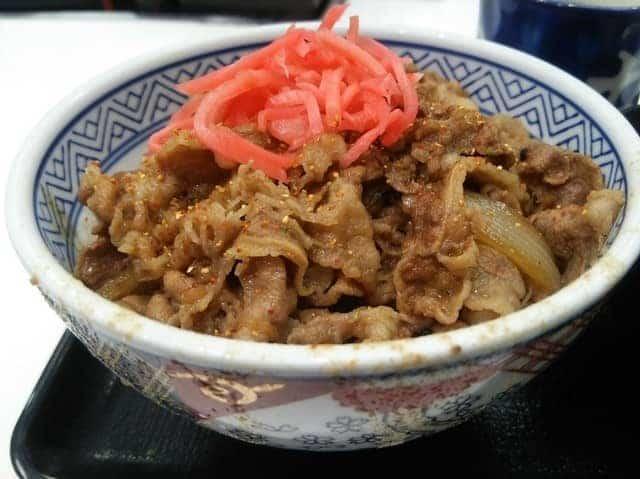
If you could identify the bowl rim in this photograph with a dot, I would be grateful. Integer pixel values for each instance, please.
(121, 325)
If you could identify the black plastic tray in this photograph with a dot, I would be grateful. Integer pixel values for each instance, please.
(579, 419)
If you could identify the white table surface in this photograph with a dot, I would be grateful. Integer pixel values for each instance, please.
(42, 58)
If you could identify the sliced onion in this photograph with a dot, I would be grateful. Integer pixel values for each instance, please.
(510, 233)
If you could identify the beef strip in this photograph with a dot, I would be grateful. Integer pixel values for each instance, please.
(319, 326)
(576, 233)
(557, 177)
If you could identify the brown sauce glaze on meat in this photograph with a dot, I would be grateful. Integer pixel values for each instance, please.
(383, 249)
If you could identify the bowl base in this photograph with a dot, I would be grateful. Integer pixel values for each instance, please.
(561, 422)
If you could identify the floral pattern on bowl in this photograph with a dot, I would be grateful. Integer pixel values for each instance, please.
(348, 413)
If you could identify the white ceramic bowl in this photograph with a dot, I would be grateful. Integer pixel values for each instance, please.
(323, 397)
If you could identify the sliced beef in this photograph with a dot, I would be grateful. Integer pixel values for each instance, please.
(557, 177)
(576, 233)
(432, 278)
(184, 157)
(319, 326)
(344, 240)
(267, 300)
(101, 267)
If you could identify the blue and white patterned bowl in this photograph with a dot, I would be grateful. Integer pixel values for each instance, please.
(324, 397)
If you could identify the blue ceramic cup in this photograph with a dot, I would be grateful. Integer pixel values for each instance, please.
(596, 41)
